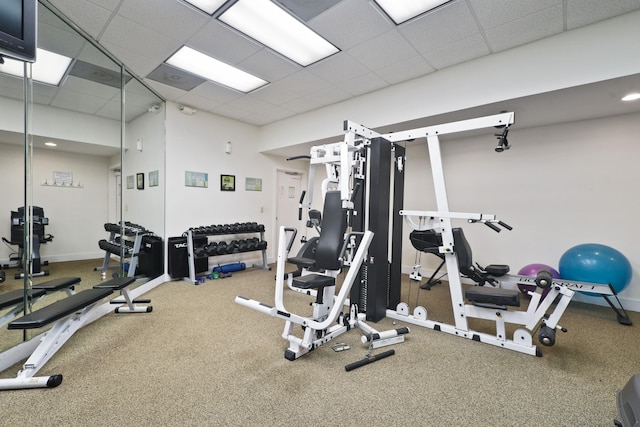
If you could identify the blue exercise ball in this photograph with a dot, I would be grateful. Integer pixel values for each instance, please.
(596, 263)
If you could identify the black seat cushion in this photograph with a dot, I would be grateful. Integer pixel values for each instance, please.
(313, 281)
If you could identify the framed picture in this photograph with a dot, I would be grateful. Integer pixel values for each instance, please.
(130, 182)
(153, 178)
(140, 181)
(227, 183)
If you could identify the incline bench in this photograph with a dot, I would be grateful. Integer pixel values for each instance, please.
(67, 315)
(15, 298)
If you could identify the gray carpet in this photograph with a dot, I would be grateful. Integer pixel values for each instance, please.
(199, 359)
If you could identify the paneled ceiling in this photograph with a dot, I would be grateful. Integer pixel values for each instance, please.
(374, 53)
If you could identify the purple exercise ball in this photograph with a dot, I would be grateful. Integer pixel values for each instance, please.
(532, 270)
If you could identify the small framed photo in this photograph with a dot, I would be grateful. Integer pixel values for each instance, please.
(140, 181)
(227, 183)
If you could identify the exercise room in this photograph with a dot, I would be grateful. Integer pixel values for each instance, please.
(332, 212)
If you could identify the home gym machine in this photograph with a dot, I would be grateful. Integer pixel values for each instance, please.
(18, 220)
(350, 201)
(489, 302)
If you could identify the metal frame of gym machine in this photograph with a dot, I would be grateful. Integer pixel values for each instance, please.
(382, 282)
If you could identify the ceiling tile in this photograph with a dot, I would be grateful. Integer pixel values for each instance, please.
(408, 69)
(583, 12)
(337, 68)
(223, 43)
(383, 50)
(173, 19)
(90, 16)
(138, 64)
(447, 24)
(306, 9)
(147, 42)
(457, 52)
(268, 65)
(216, 92)
(363, 84)
(304, 82)
(169, 92)
(491, 13)
(275, 94)
(350, 23)
(524, 30)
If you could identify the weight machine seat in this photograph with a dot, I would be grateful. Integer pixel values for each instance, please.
(302, 262)
(495, 296)
(60, 309)
(430, 241)
(330, 242)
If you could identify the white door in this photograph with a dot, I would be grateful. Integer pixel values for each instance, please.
(287, 204)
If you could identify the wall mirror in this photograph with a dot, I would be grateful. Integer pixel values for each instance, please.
(68, 146)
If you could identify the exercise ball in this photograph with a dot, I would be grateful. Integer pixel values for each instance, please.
(596, 263)
(532, 270)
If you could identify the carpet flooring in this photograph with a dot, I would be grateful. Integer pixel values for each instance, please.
(200, 360)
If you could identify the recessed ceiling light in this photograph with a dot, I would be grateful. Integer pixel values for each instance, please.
(208, 6)
(50, 144)
(631, 97)
(272, 26)
(210, 68)
(401, 11)
(49, 67)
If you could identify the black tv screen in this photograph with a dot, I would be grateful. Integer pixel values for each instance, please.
(18, 29)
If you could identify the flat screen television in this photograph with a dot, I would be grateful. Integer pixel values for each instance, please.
(18, 29)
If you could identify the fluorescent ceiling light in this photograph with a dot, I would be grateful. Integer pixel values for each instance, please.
(269, 24)
(208, 6)
(632, 97)
(403, 10)
(49, 67)
(210, 68)
(50, 144)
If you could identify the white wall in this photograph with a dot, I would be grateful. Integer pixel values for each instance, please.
(145, 207)
(558, 186)
(76, 215)
(196, 143)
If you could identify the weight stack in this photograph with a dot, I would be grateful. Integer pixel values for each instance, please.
(179, 257)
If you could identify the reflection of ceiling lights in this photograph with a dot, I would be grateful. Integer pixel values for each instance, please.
(209, 68)
(631, 97)
(49, 67)
(401, 11)
(272, 26)
(50, 144)
(208, 6)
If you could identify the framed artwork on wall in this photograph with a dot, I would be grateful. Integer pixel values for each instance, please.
(140, 181)
(227, 183)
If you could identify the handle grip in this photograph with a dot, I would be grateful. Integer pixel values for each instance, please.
(367, 360)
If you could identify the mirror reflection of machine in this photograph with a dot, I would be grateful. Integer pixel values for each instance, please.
(39, 237)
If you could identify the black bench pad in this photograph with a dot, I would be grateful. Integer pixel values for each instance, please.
(57, 284)
(489, 295)
(116, 284)
(60, 309)
(313, 281)
(11, 298)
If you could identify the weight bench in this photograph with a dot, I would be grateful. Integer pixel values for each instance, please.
(67, 315)
(15, 299)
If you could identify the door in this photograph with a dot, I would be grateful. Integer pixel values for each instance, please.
(287, 204)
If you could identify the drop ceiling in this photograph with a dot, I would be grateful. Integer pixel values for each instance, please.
(374, 53)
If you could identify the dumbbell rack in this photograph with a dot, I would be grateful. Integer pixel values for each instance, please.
(130, 241)
(212, 249)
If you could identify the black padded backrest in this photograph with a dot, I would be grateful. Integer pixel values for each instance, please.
(462, 250)
(334, 225)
